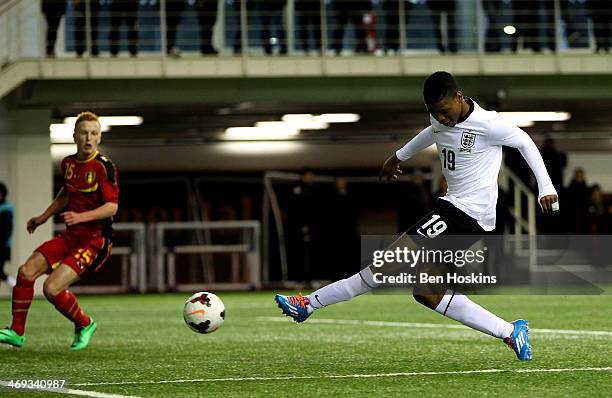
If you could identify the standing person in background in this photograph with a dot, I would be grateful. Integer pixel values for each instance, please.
(124, 10)
(53, 10)
(271, 15)
(549, 24)
(353, 11)
(80, 25)
(7, 212)
(339, 229)
(600, 12)
(207, 17)
(174, 9)
(526, 17)
(605, 224)
(438, 8)
(304, 213)
(494, 9)
(578, 196)
(308, 13)
(555, 162)
(234, 12)
(392, 24)
(597, 208)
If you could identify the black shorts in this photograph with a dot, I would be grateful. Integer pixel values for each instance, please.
(446, 226)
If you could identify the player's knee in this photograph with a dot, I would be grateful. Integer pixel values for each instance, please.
(51, 289)
(28, 272)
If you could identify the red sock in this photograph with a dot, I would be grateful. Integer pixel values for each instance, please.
(66, 303)
(22, 298)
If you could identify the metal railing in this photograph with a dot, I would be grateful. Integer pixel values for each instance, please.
(295, 27)
(524, 221)
(165, 252)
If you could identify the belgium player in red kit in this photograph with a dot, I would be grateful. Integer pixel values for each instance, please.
(88, 200)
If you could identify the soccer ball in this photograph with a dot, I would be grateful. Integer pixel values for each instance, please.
(204, 312)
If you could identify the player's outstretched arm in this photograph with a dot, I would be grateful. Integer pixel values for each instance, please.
(60, 201)
(390, 170)
(547, 194)
(505, 133)
(107, 210)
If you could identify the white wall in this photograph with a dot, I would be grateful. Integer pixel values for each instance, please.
(26, 168)
(21, 30)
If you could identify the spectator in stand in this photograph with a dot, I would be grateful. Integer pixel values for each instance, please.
(207, 16)
(235, 13)
(7, 211)
(555, 162)
(174, 9)
(596, 209)
(494, 9)
(124, 10)
(53, 10)
(80, 25)
(578, 204)
(341, 241)
(392, 24)
(526, 17)
(271, 16)
(303, 233)
(438, 8)
(605, 226)
(353, 11)
(308, 13)
(600, 12)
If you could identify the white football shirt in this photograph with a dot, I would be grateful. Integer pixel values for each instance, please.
(471, 154)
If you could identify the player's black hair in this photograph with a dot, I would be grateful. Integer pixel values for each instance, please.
(437, 86)
(3, 192)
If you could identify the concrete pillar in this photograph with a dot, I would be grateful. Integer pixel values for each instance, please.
(467, 24)
(26, 168)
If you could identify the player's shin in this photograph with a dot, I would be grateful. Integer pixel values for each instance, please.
(343, 290)
(22, 299)
(460, 308)
(66, 303)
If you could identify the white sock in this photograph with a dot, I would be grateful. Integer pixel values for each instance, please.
(343, 290)
(460, 308)
(11, 281)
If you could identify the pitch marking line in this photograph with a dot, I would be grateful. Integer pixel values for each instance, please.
(432, 325)
(69, 391)
(352, 376)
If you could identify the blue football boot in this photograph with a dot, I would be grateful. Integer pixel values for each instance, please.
(519, 340)
(297, 307)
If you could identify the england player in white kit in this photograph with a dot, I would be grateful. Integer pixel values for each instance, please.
(469, 141)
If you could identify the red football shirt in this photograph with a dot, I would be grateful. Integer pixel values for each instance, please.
(90, 184)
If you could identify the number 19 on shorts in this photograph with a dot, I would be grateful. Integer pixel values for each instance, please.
(433, 227)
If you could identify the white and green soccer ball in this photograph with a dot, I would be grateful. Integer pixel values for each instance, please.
(204, 312)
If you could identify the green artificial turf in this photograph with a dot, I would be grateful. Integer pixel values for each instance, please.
(142, 348)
